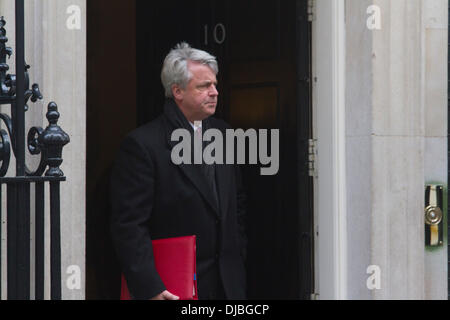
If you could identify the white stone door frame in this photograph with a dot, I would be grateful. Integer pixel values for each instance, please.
(328, 68)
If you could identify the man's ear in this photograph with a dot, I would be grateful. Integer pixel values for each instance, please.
(177, 92)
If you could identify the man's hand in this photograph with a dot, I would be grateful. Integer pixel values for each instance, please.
(165, 295)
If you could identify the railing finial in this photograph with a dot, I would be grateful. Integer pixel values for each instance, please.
(52, 140)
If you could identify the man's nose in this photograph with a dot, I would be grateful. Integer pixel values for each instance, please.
(213, 91)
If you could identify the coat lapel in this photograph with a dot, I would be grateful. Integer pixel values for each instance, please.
(223, 175)
(194, 173)
(174, 120)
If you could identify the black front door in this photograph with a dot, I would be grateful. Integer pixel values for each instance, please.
(263, 50)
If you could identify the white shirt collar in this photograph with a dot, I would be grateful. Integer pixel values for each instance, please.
(196, 125)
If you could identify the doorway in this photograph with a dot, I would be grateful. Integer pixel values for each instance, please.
(263, 51)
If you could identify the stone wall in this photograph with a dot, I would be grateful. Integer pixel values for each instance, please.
(396, 124)
(55, 36)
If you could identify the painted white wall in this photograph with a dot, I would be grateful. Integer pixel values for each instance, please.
(64, 68)
(359, 145)
(57, 55)
(394, 81)
(409, 123)
(329, 130)
(435, 51)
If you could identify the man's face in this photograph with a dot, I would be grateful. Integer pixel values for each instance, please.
(198, 100)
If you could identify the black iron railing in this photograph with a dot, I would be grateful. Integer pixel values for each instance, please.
(15, 91)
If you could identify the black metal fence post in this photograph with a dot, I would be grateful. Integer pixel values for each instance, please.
(39, 241)
(11, 233)
(55, 235)
(48, 143)
(20, 86)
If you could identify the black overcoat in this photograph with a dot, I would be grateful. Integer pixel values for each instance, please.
(152, 198)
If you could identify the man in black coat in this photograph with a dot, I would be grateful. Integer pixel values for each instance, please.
(153, 198)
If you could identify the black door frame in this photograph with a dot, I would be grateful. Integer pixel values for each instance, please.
(304, 129)
(304, 125)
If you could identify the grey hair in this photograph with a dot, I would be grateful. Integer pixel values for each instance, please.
(175, 66)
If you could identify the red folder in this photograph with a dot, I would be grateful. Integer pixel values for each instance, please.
(176, 265)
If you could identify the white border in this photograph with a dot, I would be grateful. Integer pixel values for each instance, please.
(328, 43)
